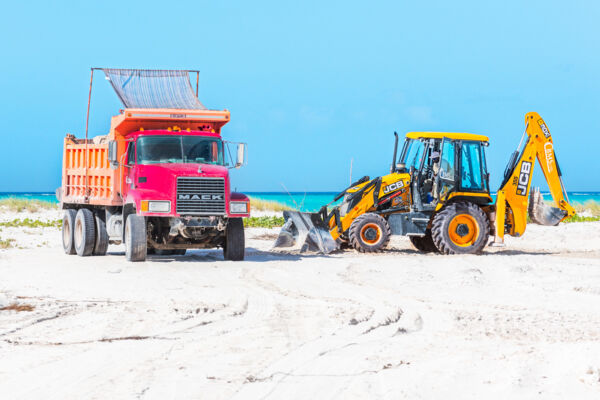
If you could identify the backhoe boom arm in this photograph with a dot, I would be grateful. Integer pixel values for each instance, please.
(513, 195)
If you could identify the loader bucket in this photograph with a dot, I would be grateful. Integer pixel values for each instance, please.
(306, 232)
(541, 213)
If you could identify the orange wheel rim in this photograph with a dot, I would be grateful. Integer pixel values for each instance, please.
(370, 234)
(463, 230)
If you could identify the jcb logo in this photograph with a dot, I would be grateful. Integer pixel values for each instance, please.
(524, 177)
(394, 186)
(544, 128)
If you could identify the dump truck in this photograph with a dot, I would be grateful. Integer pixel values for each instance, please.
(438, 194)
(159, 181)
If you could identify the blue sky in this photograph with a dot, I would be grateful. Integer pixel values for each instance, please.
(310, 85)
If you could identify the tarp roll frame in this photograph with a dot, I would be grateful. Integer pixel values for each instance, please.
(139, 88)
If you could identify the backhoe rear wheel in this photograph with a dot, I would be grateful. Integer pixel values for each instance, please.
(369, 233)
(424, 243)
(460, 228)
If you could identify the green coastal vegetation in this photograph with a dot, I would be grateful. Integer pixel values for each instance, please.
(586, 212)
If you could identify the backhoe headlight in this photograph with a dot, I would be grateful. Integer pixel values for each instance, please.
(238, 207)
(156, 206)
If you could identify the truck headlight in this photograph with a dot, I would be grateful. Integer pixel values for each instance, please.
(155, 206)
(238, 207)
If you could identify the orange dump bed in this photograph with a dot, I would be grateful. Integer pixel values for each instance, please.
(88, 177)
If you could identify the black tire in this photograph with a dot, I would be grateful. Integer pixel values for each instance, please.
(162, 252)
(460, 228)
(169, 252)
(369, 233)
(101, 244)
(135, 238)
(68, 231)
(424, 243)
(234, 244)
(84, 232)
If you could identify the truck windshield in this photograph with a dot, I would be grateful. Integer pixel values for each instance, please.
(179, 149)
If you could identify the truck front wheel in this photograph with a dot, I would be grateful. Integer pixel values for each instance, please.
(135, 238)
(234, 244)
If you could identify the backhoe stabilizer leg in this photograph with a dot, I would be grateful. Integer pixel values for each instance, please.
(500, 219)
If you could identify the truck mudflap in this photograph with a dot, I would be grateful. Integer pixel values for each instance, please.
(305, 232)
(541, 213)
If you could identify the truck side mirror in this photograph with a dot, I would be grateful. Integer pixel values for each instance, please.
(241, 155)
(112, 154)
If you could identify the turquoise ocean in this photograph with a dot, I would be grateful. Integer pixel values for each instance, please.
(304, 201)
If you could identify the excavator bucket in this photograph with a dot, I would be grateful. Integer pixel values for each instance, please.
(306, 232)
(541, 213)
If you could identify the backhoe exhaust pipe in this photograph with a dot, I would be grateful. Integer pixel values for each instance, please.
(305, 232)
(541, 213)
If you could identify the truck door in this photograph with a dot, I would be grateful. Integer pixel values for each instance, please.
(129, 168)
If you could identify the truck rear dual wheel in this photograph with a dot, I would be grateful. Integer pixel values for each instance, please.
(234, 243)
(84, 235)
(369, 233)
(135, 238)
(460, 228)
(101, 243)
(68, 231)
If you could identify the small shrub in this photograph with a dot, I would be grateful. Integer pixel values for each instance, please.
(18, 205)
(579, 218)
(263, 222)
(32, 223)
(267, 205)
(18, 307)
(6, 243)
(590, 206)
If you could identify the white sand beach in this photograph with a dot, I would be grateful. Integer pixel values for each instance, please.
(518, 322)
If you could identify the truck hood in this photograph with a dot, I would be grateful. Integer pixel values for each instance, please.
(176, 169)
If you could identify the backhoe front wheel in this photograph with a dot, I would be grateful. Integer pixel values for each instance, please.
(369, 233)
(460, 228)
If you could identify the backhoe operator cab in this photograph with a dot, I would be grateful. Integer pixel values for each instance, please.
(443, 166)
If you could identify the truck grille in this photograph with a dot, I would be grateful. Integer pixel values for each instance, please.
(201, 196)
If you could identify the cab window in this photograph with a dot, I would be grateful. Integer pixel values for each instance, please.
(131, 153)
(447, 169)
(471, 161)
(413, 153)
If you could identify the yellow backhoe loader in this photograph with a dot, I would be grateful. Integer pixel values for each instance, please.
(437, 194)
